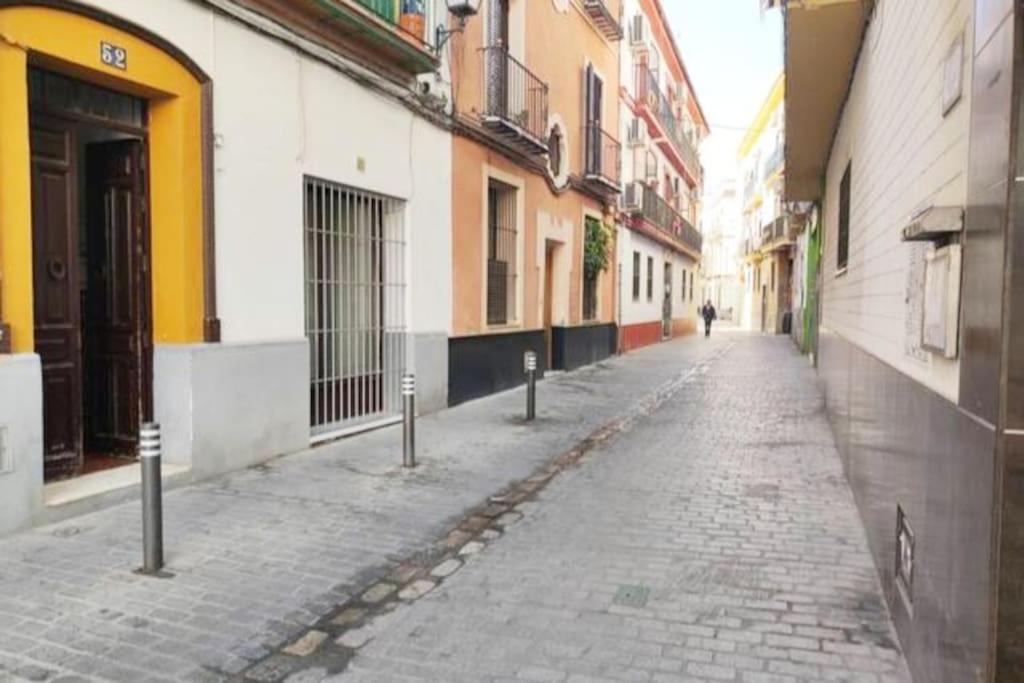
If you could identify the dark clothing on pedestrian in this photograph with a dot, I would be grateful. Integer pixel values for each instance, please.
(709, 314)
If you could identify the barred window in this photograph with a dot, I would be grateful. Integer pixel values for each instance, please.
(682, 290)
(650, 278)
(501, 252)
(691, 285)
(636, 276)
(843, 248)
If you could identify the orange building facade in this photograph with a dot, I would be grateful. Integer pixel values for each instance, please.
(536, 178)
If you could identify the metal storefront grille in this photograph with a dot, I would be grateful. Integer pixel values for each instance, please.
(502, 245)
(355, 305)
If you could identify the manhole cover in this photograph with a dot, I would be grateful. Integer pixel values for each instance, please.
(632, 596)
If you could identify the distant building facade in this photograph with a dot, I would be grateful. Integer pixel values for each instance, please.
(661, 122)
(720, 262)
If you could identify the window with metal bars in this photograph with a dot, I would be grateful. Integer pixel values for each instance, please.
(636, 276)
(691, 285)
(502, 244)
(650, 278)
(355, 305)
(682, 289)
(843, 248)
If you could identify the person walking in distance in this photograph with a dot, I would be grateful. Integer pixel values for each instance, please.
(709, 314)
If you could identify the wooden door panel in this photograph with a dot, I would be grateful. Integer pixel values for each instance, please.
(115, 321)
(55, 296)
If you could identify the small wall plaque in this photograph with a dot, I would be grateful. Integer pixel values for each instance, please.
(953, 75)
(114, 56)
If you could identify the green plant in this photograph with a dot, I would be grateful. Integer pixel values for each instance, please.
(597, 247)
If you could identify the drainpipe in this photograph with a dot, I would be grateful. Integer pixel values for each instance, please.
(211, 323)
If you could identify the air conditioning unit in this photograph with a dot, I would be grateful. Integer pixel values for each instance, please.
(636, 134)
(638, 31)
(632, 198)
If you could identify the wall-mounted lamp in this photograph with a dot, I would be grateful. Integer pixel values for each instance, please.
(461, 10)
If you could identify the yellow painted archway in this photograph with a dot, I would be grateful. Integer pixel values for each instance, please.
(66, 40)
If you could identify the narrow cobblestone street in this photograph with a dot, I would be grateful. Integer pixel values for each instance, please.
(675, 541)
(716, 540)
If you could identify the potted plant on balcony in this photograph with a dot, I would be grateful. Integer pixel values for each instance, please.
(413, 17)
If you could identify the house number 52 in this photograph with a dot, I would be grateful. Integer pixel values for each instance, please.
(114, 56)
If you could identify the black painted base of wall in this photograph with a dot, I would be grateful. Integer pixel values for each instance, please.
(574, 347)
(488, 363)
(902, 444)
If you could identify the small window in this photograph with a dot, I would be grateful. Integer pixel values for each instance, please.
(843, 247)
(650, 278)
(502, 245)
(691, 285)
(682, 290)
(773, 276)
(636, 276)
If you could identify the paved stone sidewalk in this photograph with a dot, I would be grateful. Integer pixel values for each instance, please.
(715, 541)
(261, 555)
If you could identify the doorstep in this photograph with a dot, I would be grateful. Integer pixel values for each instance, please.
(91, 492)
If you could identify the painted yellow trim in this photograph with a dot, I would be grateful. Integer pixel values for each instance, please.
(70, 43)
(772, 103)
(15, 201)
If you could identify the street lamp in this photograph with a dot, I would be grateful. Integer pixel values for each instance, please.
(461, 10)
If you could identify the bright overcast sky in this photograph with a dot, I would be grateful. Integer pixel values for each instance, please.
(733, 55)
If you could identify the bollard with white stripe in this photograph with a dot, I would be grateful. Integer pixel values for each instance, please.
(530, 364)
(152, 499)
(408, 420)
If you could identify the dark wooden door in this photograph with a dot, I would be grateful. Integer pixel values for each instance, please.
(56, 292)
(116, 337)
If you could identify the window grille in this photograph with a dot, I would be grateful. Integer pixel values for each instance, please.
(636, 276)
(650, 278)
(355, 305)
(501, 253)
(843, 251)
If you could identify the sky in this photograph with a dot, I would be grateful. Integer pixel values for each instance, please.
(733, 54)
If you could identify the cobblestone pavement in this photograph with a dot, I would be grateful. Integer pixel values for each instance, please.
(715, 540)
(260, 556)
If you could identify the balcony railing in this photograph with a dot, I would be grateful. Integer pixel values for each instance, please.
(649, 95)
(645, 202)
(775, 230)
(602, 158)
(515, 103)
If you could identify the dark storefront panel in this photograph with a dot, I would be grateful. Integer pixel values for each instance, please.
(485, 364)
(574, 347)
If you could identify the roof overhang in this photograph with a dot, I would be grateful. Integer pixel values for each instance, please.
(823, 39)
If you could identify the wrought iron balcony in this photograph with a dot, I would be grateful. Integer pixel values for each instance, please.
(657, 108)
(603, 18)
(515, 105)
(775, 233)
(602, 159)
(387, 36)
(650, 210)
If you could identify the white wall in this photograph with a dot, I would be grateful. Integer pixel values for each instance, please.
(280, 115)
(905, 155)
(642, 310)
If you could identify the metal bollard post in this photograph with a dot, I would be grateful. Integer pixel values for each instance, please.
(409, 420)
(530, 363)
(152, 499)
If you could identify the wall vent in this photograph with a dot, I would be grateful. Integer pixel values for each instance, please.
(905, 559)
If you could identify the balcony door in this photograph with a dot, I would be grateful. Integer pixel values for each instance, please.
(594, 99)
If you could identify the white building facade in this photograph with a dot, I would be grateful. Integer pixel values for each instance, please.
(659, 245)
(720, 265)
(315, 263)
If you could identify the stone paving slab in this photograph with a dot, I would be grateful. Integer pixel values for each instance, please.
(716, 540)
(262, 555)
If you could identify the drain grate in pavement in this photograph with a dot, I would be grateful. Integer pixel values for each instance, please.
(632, 596)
